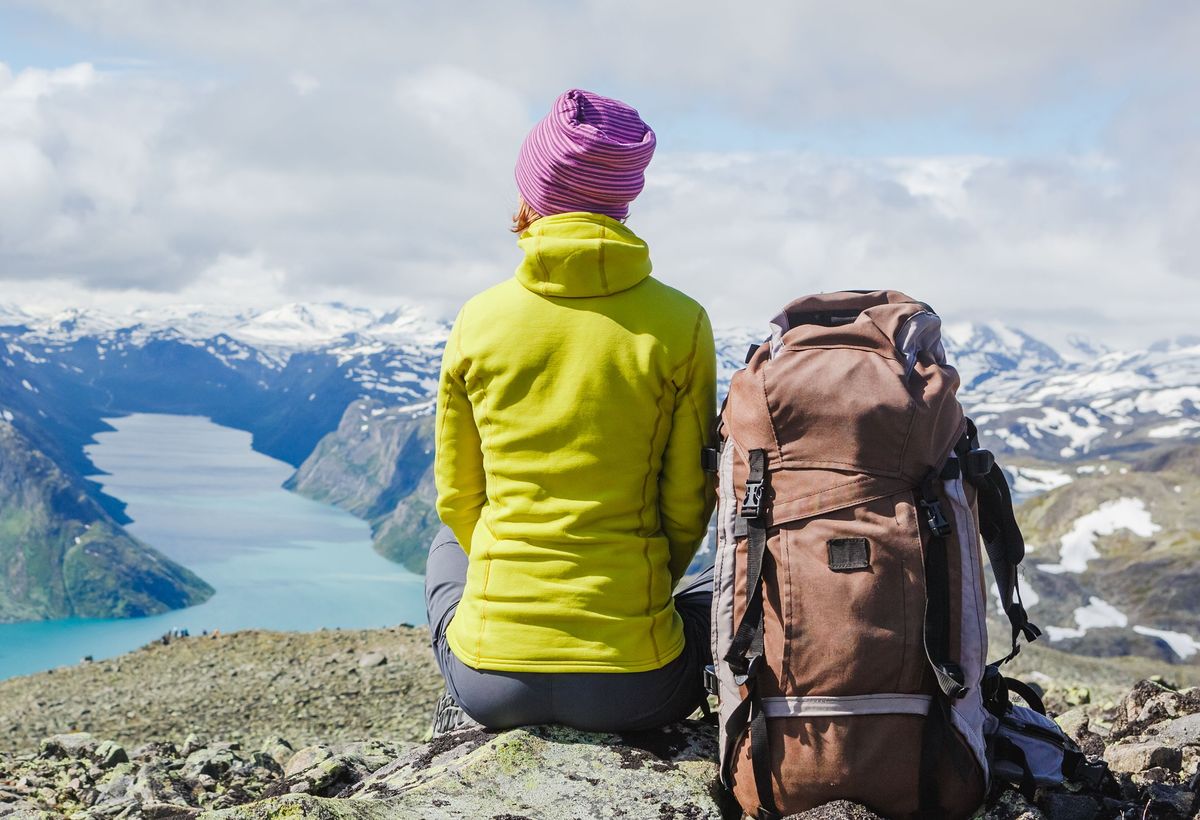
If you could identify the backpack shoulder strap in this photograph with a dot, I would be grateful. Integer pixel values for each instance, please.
(1001, 534)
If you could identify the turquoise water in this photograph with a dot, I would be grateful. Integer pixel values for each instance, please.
(197, 492)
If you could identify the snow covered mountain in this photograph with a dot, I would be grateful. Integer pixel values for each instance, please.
(1033, 402)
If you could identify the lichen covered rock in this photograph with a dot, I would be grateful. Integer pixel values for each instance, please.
(539, 772)
(1151, 739)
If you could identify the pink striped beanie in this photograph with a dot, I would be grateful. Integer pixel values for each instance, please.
(588, 154)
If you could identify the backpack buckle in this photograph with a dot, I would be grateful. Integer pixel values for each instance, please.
(709, 459)
(711, 685)
(752, 503)
(935, 518)
(750, 671)
(978, 463)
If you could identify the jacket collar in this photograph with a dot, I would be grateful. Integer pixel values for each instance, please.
(581, 254)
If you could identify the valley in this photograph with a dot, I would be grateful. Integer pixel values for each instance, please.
(1101, 445)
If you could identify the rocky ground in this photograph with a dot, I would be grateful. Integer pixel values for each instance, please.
(335, 733)
(1151, 740)
(328, 686)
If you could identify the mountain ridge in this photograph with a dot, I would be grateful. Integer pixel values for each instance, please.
(346, 394)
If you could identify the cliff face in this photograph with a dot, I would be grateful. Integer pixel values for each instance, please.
(378, 464)
(62, 555)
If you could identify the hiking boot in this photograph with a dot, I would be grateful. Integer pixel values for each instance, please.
(449, 716)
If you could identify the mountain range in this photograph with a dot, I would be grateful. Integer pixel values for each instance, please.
(345, 394)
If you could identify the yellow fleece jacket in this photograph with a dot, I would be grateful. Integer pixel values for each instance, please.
(573, 405)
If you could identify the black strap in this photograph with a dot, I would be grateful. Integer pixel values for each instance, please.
(950, 677)
(937, 738)
(996, 688)
(760, 757)
(1011, 751)
(746, 649)
(949, 674)
(1026, 693)
(1002, 536)
(928, 792)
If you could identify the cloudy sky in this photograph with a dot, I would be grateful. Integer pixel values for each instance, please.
(1036, 163)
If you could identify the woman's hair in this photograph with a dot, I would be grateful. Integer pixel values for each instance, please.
(524, 217)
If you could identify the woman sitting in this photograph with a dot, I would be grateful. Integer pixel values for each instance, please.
(574, 402)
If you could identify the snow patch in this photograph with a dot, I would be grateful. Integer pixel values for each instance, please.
(1078, 546)
(1096, 615)
(1030, 480)
(1182, 645)
(1179, 428)
(1060, 633)
(1168, 402)
(1011, 439)
(1079, 427)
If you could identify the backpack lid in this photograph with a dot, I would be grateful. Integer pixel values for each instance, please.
(852, 399)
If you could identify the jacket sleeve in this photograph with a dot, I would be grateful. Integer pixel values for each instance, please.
(685, 491)
(458, 451)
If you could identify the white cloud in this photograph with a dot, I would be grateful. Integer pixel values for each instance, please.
(364, 151)
(303, 82)
(1048, 246)
(789, 61)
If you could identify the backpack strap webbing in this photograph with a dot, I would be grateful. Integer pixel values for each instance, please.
(948, 673)
(1008, 750)
(1001, 534)
(746, 649)
(935, 738)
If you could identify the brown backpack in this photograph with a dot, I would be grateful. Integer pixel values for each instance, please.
(849, 612)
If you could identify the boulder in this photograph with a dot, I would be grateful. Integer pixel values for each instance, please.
(326, 770)
(278, 750)
(213, 761)
(109, 753)
(25, 810)
(372, 659)
(1181, 732)
(70, 745)
(1170, 801)
(1138, 757)
(543, 772)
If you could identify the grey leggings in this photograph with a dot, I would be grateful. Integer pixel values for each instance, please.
(593, 701)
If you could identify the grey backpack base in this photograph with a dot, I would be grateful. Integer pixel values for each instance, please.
(1027, 749)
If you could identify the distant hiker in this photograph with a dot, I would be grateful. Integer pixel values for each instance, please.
(574, 401)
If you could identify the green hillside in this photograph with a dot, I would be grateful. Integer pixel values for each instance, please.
(377, 465)
(63, 556)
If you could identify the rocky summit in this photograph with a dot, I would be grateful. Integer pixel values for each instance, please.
(361, 765)
(327, 686)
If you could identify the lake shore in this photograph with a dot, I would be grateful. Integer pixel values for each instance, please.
(199, 494)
